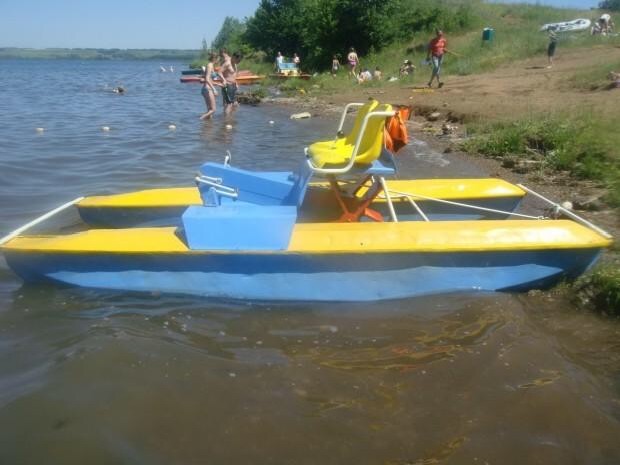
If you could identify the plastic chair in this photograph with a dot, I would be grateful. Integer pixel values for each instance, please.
(368, 145)
(350, 138)
(365, 161)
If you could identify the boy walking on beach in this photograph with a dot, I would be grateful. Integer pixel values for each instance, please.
(553, 40)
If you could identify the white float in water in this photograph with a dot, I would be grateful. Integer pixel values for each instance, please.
(40, 129)
(301, 115)
(229, 126)
(105, 128)
(172, 127)
(271, 122)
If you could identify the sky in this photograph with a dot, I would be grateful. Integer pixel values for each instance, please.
(167, 24)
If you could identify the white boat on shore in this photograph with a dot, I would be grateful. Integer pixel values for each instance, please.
(576, 25)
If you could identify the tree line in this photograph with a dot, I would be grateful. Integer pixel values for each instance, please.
(319, 29)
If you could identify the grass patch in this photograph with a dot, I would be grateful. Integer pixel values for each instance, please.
(601, 289)
(595, 78)
(585, 146)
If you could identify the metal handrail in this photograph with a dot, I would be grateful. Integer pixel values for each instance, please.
(219, 188)
(344, 115)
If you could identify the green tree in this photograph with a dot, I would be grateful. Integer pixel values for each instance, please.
(204, 50)
(610, 5)
(230, 35)
(318, 29)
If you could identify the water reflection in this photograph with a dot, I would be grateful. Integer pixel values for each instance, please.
(460, 378)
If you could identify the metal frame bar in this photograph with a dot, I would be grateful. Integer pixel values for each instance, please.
(389, 199)
(464, 205)
(39, 220)
(560, 208)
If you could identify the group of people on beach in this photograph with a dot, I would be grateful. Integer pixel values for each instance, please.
(224, 77)
(436, 49)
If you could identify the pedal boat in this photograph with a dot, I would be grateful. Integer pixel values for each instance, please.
(164, 207)
(439, 199)
(245, 240)
(289, 70)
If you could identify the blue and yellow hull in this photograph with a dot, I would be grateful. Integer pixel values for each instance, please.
(323, 262)
(164, 207)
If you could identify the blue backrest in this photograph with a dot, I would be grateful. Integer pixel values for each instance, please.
(257, 187)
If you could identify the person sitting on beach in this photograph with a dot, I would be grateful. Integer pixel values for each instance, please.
(377, 75)
(606, 24)
(296, 59)
(407, 69)
(364, 76)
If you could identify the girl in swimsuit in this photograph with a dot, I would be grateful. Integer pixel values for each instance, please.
(353, 62)
(335, 66)
(208, 88)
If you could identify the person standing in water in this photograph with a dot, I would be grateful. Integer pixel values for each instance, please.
(437, 47)
(229, 76)
(208, 87)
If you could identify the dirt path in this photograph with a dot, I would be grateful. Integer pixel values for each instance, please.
(521, 88)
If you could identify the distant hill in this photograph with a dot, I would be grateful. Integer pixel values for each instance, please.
(98, 53)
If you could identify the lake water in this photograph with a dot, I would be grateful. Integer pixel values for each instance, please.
(109, 377)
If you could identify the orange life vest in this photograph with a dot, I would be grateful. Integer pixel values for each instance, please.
(395, 132)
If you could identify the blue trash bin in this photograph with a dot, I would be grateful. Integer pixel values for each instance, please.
(488, 34)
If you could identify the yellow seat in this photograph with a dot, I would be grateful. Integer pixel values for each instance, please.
(369, 149)
(351, 137)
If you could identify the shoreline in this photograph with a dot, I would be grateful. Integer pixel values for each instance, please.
(557, 186)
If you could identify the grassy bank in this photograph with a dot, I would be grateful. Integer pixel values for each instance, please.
(584, 145)
(517, 36)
